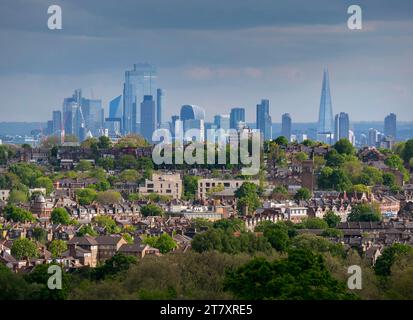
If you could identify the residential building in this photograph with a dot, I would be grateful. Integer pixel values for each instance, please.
(206, 186)
(163, 184)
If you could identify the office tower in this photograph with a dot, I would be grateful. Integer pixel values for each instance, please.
(148, 116)
(159, 106)
(138, 82)
(93, 114)
(222, 121)
(114, 121)
(264, 119)
(193, 117)
(390, 126)
(342, 126)
(70, 107)
(286, 126)
(57, 122)
(352, 137)
(237, 115)
(49, 128)
(325, 117)
(363, 140)
(373, 137)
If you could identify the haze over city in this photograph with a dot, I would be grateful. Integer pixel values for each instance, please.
(214, 54)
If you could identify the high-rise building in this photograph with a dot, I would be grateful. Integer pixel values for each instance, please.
(172, 123)
(114, 122)
(342, 126)
(237, 115)
(93, 114)
(325, 117)
(159, 106)
(264, 123)
(71, 120)
(193, 117)
(373, 137)
(148, 116)
(390, 125)
(138, 82)
(286, 126)
(222, 121)
(57, 122)
(82, 117)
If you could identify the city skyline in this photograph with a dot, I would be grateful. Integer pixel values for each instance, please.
(276, 52)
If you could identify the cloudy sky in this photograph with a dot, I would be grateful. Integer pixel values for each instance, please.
(214, 53)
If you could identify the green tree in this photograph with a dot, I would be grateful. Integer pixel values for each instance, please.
(315, 223)
(301, 276)
(407, 152)
(108, 197)
(131, 141)
(334, 159)
(332, 219)
(344, 146)
(303, 194)
(129, 175)
(57, 247)
(84, 165)
(39, 234)
(17, 214)
(152, 210)
(108, 223)
(190, 185)
(165, 243)
(127, 162)
(86, 230)
(104, 142)
(247, 195)
(388, 257)
(389, 179)
(86, 196)
(301, 156)
(60, 216)
(276, 233)
(364, 212)
(24, 248)
(17, 196)
(40, 276)
(371, 176)
(114, 266)
(281, 141)
(44, 182)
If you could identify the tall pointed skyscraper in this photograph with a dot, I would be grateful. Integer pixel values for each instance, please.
(325, 118)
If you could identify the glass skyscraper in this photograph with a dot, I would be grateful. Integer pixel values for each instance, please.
(237, 115)
(390, 125)
(138, 82)
(148, 116)
(159, 106)
(342, 126)
(221, 121)
(286, 126)
(264, 122)
(325, 118)
(193, 117)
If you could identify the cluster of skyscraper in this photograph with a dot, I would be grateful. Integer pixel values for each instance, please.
(139, 110)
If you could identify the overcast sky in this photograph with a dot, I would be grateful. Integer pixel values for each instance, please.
(214, 53)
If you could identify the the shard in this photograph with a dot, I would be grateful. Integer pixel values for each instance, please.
(325, 118)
